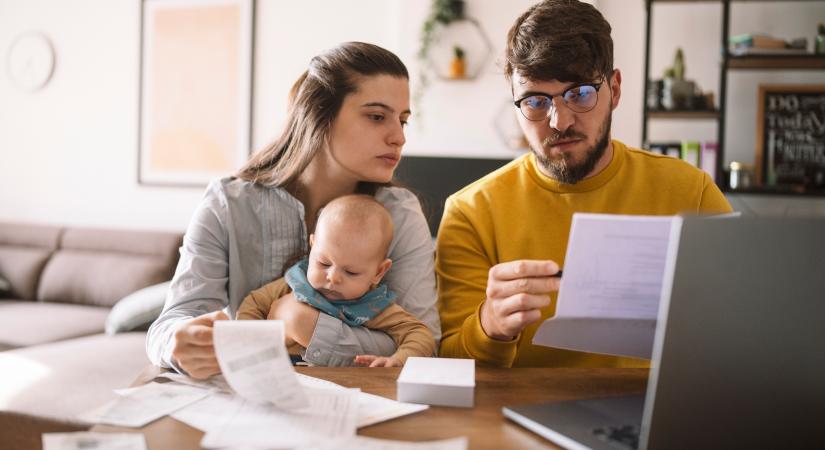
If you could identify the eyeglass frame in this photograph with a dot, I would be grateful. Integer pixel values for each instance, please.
(597, 86)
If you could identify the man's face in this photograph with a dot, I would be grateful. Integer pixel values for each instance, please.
(570, 146)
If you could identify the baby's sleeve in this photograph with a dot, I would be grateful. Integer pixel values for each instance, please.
(411, 336)
(256, 305)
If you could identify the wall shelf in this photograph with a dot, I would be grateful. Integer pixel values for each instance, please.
(773, 62)
(699, 115)
(728, 63)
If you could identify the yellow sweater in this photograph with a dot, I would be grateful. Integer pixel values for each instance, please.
(517, 212)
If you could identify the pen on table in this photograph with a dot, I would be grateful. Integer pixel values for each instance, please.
(556, 275)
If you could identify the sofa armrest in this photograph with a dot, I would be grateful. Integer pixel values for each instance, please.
(137, 310)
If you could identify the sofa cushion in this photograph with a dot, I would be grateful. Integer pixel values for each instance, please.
(99, 267)
(30, 323)
(59, 381)
(24, 250)
(137, 310)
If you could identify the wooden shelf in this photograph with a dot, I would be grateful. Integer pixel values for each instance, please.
(701, 115)
(796, 191)
(770, 62)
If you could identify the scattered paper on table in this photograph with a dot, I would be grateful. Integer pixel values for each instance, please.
(90, 441)
(215, 382)
(373, 409)
(145, 404)
(332, 414)
(254, 361)
(366, 443)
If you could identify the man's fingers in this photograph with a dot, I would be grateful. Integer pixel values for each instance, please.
(520, 319)
(523, 268)
(520, 302)
(535, 285)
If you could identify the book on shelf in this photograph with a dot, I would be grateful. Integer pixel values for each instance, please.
(757, 40)
(690, 152)
(751, 51)
(699, 154)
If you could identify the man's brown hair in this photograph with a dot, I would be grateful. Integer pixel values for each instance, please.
(564, 40)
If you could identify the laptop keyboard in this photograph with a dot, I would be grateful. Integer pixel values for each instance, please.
(624, 437)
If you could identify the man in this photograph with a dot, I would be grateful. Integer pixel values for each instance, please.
(503, 237)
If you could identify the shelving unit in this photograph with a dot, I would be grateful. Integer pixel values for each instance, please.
(727, 63)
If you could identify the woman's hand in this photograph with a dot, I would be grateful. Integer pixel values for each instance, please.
(377, 361)
(193, 351)
(299, 319)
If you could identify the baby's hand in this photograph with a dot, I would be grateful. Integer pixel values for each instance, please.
(377, 361)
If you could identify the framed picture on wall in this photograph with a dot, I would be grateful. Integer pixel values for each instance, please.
(790, 140)
(195, 90)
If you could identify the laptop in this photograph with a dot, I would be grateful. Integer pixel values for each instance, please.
(739, 351)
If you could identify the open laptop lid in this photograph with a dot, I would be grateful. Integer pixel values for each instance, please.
(739, 356)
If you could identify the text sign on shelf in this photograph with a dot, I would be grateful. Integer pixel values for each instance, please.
(791, 135)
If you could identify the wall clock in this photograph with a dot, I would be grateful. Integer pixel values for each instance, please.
(31, 61)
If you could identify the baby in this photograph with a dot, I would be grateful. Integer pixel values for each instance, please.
(341, 277)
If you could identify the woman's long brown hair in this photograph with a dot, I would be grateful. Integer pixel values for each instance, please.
(314, 103)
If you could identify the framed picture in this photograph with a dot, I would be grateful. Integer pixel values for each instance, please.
(195, 90)
(790, 140)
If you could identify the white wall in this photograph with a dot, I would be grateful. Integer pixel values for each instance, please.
(68, 153)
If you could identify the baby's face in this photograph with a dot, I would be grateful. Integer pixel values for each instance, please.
(344, 266)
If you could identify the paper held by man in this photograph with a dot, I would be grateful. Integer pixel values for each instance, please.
(608, 301)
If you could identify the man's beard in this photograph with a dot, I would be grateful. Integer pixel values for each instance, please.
(560, 169)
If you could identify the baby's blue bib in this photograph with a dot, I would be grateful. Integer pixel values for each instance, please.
(352, 312)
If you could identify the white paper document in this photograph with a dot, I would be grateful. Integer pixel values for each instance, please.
(332, 414)
(609, 296)
(145, 404)
(255, 362)
(215, 383)
(93, 441)
(366, 443)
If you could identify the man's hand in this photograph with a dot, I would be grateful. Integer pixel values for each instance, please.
(299, 319)
(377, 361)
(516, 292)
(193, 349)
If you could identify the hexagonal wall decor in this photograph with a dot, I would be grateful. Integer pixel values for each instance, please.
(460, 39)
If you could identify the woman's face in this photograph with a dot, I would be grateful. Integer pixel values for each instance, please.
(367, 136)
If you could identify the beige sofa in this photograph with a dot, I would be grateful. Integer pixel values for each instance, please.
(61, 290)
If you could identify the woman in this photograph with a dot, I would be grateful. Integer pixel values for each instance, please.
(344, 134)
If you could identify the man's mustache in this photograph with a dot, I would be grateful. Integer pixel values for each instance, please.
(568, 134)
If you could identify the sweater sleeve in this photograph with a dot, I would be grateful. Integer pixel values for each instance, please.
(257, 304)
(411, 336)
(462, 267)
(713, 200)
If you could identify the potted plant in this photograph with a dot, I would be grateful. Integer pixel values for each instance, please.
(458, 66)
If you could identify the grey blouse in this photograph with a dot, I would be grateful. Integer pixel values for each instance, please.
(239, 239)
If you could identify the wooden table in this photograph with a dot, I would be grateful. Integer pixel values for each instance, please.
(484, 425)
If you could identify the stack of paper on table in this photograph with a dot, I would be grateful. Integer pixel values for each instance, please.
(438, 381)
(259, 401)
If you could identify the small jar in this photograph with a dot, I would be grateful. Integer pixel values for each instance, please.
(733, 179)
(741, 175)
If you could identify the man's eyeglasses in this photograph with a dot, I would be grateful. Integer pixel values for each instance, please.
(580, 98)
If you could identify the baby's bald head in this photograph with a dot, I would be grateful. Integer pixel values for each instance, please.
(358, 217)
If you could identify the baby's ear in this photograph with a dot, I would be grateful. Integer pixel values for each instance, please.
(382, 270)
